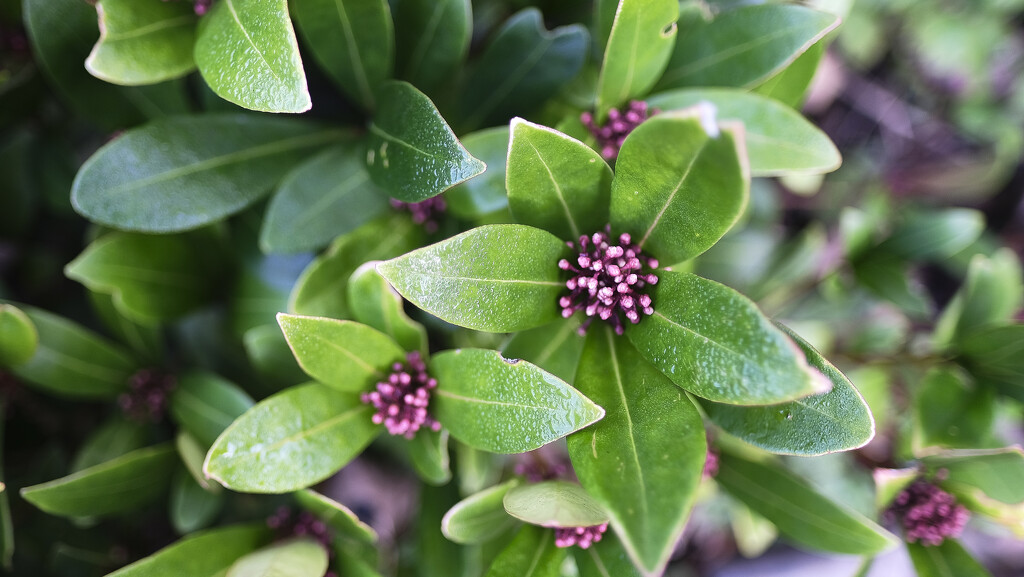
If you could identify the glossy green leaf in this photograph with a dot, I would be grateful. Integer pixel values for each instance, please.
(680, 183)
(505, 405)
(433, 39)
(302, 557)
(554, 504)
(606, 558)
(484, 194)
(340, 518)
(150, 278)
(320, 291)
(345, 355)
(791, 84)
(799, 512)
(996, 357)
(639, 46)
(949, 558)
(554, 347)
(532, 553)
(935, 235)
(985, 470)
(745, 46)
(643, 461)
(779, 140)
(740, 359)
(838, 420)
(247, 53)
(497, 278)
(204, 554)
(291, 440)
(556, 182)
(326, 196)
(992, 292)
(479, 517)
(352, 40)
(19, 338)
(522, 66)
(73, 361)
(428, 453)
(204, 404)
(143, 43)
(191, 506)
(412, 152)
(185, 172)
(123, 484)
(375, 304)
(118, 436)
(935, 425)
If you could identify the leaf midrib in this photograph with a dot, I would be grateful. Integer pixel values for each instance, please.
(451, 395)
(672, 196)
(726, 54)
(558, 192)
(301, 435)
(234, 14)
(353, 50)
(180, 21)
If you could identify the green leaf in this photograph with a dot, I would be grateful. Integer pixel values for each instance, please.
(639, 46)
(339, 517)
(291, 440)
(205, 554)
(352, 40)
(345, 355)
(484, 194)
(838, 420)
(791, 84)
(302, 557)
(328, 195)
(799, 512)
(556, 182)
(204, 404)
(320, 291)
(6, 524)
(606, 558)
(554, 347)
(740, 359)
(745, 46)
(73, 361)
(991, 294)
(193, 454)
(779, 140)
(428, 452)
(118, 436)
(521, 68)
(151, 279)
(995, 356)
(191, 506)
(889, 483)
(497, 278)
(985, 470)
(680, 183)
(888, 277)
(532, 553)
(433, 39)
(185, 172)
(505, 405)
(19, 338)
(949, 558)
(145, 340)
(122, 484)
(479, 517)
(268, 351)
(247, 53)
(143, 43)
(969, 427)
(554, 504)
(643, 461)
(411, 151)
(935, 234)
(376, 304)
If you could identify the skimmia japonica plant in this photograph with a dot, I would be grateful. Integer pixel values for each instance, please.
(514, 295)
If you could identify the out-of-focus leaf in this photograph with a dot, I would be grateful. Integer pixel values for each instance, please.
(969, 427)
(143, 42)
(554, 504)
(204, 554)
(995, 356)
(949, 558)
(205, 404)
(433, 39)
(375, 304)
(117, 437)
(479, 517)
(554, 347)
(301, 557)
(19, 338)
(483, 194)
(191, 506)
(532, 553)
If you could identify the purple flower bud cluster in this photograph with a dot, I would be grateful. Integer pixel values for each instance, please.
(287, 524)
(148, 395)
(928, 514)
(537, 468)
(402, 399)
(617, 127)
(710, 464)
(607, 280)
(425, 212)
(582, 537)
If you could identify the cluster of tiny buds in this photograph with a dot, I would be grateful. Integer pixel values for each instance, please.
(199, 6)
(424, 213)
(148, 395)
(582, 537)
(401, 401)
(928, 514)
(537, 468)
(606, 281)
(617, 127)
(288, 525)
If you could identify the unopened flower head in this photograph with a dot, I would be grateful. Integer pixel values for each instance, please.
(424, 212)
(536, 467)
(928, 514)
(617, 127)
(582, 537)
(401, 400)
(608, 281)
(148, 395)
(288, 524)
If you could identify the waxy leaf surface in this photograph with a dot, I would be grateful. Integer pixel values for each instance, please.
(504, 405)
(497, 278)
(554, 504)
(554, 347)
(303, 557)
(143, 42)
(479, 517)
(247, 53)
(428, 454)
(291, 440)
(376, 304)
(205, 554)
(532, 553)
(433, 39)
